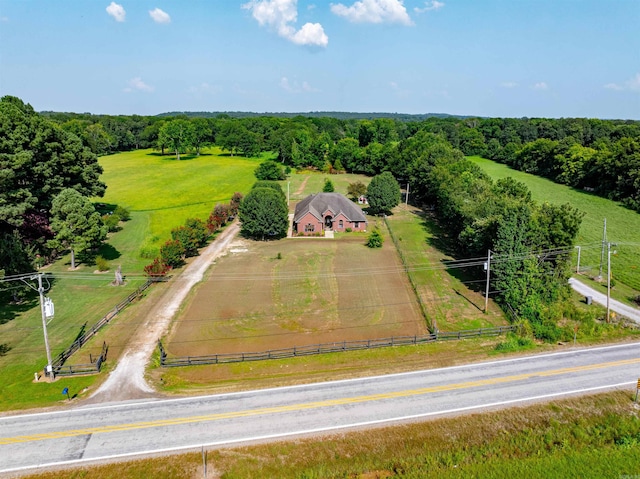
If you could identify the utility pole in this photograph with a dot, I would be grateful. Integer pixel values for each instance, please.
(486, 294)
(406, 199)
(49, 368)
(578, 265)
(604, 242)
(609, 277)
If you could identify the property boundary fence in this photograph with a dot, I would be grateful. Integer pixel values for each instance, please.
(57, 364)
(423, 308)
(89, 368)
(329, 347)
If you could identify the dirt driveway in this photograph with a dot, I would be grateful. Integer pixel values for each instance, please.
(127, 381)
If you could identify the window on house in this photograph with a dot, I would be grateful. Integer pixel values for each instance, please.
(341, 224)
(356, 224)
(309, 228)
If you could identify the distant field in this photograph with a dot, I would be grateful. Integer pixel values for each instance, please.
(623, 225)
(165, 191)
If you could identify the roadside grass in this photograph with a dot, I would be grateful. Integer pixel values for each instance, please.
(454, 299)
(161, 193)
(591, 436)
(623, 225)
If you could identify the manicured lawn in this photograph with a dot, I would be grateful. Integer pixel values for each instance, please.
(165, 191)
(623, 225)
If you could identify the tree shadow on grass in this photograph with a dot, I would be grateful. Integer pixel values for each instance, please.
(11, 310)
(108, 252)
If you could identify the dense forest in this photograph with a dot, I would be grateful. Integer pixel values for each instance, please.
(43, 154)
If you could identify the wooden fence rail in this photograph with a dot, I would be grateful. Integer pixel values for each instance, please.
(327, 347)
(58, 362)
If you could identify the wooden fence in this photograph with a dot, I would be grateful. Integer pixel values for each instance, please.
(57, 364)
(328, 347)
(91, 367)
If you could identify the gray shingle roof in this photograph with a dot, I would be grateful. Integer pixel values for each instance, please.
(320, 202)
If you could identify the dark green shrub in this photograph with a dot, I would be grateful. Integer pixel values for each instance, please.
(172, 253)
(375, 239)
(199, 231)
(328, 186)
(187, 239)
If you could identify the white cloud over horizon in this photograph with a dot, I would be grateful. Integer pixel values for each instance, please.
(541, 86)
(159, 16)
(136, 84)
(280, 15)
(374, 11)
(295, 87)
(428, 6)
(633, 84)
(116, 11)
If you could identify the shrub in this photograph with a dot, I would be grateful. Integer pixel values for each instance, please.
(112, 222)
(637, 300)
(328, 186)
(349, 230)
(102, 264)
(199, 229)
(270, 170)
(172, 253)
(157, 268)
(375, 239)
(123, 213)
(234, 204)
(187, 239)
(514, 343)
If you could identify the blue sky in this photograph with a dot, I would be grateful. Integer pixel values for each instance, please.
(507, 58)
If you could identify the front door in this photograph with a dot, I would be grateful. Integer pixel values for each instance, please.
(328, 222)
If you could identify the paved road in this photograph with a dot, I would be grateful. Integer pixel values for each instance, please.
(120, 430)
(601, 298)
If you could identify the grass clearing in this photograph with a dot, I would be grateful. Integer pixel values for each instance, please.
(592, 436)
(623, 225)
(453, 299)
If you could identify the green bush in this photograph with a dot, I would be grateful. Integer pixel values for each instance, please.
(375, 239)
(172, 253)
(328, 186)
(102, 264)
(514, 342)
(123, 213)
(112, 222)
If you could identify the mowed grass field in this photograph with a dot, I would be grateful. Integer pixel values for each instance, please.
(161, 193)
(623, 225)
(164, 191)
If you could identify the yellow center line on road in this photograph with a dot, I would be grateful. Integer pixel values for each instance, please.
(310, 405)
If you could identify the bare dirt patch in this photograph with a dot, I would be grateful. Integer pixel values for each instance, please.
(320, 291)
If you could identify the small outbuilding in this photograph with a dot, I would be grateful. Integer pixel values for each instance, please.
(327, 212)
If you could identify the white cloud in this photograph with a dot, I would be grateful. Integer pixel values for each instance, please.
(632, 84)
(295, 87)
(159, 16)
(374, 11)
(205, 87)
(508, 84)
(541, 86)
(613, 86)
(136, 84)
(279, 15)
(428, 6)
(116, 11)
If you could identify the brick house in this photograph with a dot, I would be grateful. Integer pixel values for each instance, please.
(327, 212)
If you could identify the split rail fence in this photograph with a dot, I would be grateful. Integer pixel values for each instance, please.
(57, 365)
(328, 347)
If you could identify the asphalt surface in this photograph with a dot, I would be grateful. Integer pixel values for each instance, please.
(125, 429)
(600, 298)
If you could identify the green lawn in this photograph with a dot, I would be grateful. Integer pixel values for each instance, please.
(165, 191)
(161, 193)
(623, 225)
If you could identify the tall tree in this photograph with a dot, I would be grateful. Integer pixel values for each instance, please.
(76, 224)
(176, 135)
(264, 214)
(383, 193)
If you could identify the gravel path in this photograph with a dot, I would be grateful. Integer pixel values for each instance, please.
(127, 381)
(600, 298)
